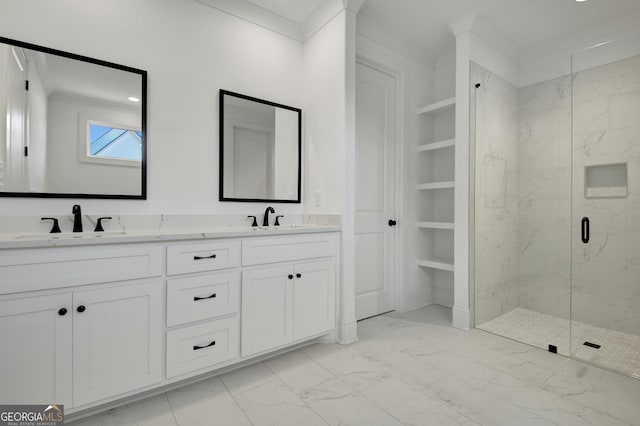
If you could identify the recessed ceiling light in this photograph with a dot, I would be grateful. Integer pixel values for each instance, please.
(134, 99)
(580, 1)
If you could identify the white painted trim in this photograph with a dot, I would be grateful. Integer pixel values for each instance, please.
(258, 16)
(461, 317)
(418, 299)
(348, 332)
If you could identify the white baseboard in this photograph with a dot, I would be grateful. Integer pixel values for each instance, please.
(461, 318)
(348, 332)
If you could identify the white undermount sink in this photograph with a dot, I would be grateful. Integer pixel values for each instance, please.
(69, 235)
(286, 227)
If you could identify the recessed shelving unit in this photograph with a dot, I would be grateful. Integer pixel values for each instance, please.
(436, 145)
(435, 225)
(434, 263)
(438, 107)
(435, 187)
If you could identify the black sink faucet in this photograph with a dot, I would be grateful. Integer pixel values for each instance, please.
(265, 221)
(77, 218)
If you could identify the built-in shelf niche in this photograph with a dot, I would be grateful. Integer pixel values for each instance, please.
(606, 181)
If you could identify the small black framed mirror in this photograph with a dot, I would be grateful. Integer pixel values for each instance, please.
(71, 126)
(260, 150)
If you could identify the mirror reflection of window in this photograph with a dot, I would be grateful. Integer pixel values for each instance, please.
(116, 143)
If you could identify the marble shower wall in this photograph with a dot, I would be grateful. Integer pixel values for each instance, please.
(606, 129)
(544, 171)
(526, 186)
(496, 195)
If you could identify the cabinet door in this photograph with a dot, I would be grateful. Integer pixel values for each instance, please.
(117, 340)
(267, 308)
(35, 350)
(313, 298)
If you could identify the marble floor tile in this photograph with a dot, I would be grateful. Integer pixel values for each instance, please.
(248, 377)
(298, 371)
(340, 405)
(205, 403)
(413, 407)
(403, 371)
(273, 404)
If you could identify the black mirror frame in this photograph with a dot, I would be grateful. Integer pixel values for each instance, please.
(143, 106)
(221, 196)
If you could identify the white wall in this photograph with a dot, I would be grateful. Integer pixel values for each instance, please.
(324, 119)
(190, 52)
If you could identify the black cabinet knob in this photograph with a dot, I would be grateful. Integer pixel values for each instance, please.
(81, 308)
(290, 276)
(298, 275)
(392, 222)
(62, 312)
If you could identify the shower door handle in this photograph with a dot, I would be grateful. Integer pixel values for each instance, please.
(585, 230)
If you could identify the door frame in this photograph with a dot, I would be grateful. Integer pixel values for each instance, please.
(399, 83)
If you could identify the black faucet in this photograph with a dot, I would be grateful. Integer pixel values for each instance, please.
(265, 221)
(77, 218)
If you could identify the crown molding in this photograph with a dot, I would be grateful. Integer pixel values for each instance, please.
(279, 24)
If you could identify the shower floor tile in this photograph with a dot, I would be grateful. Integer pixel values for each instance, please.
(618, 351)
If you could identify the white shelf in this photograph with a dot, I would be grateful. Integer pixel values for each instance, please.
(435, 225)
(436, 185)
(436, 145)
(443, 265)
(438, 107)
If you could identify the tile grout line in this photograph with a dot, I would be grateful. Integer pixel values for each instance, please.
(298, 396)
(235, 401)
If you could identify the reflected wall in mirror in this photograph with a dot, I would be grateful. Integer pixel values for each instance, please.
(72, 126)
(260, 150)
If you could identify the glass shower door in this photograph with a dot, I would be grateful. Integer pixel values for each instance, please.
(605, 291)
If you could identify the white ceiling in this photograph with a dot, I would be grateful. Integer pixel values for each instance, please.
(526, 23)
(296, 10)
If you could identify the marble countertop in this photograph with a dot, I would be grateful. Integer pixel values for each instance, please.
(35, 240)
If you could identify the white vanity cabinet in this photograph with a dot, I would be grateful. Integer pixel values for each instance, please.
(289, 302)
(36, 351)
(77, 332)
(108, 340)
(89, 325)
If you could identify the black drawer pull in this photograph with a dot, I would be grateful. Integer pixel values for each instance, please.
(195, 348)
(213, 296)
(298, 275)
(62, 312)
(81, 308)
(213, 256)
(290, 276)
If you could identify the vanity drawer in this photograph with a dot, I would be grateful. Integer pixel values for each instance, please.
(184, 259)
(45, 269)
(203, 297)
(201, 346)
(257, 251)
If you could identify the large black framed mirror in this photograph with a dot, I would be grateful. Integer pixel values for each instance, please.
(260, 150)
(72, 126)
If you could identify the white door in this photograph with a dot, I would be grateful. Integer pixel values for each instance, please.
(117, 340)
(267, 308)
(313, 298)
(15, 176)
(36, 350)
(375, 192)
